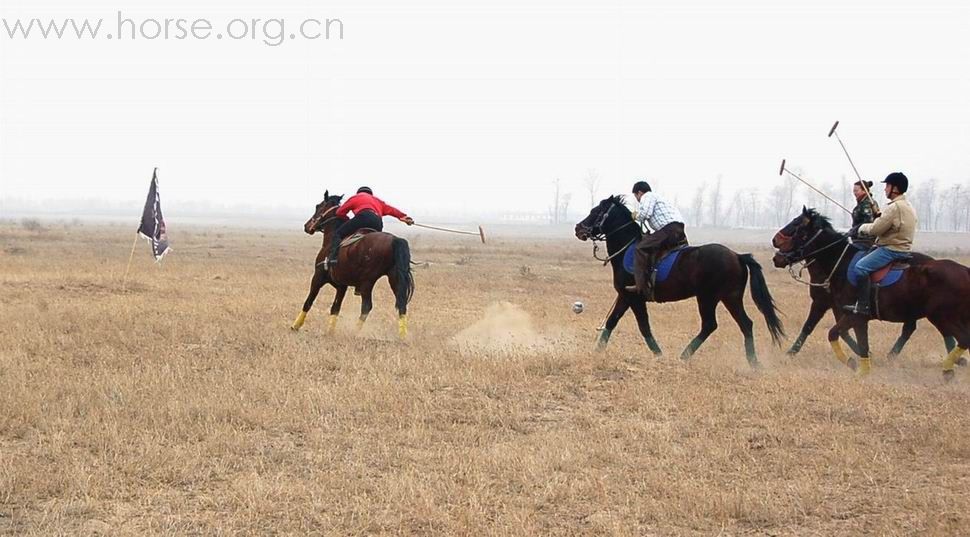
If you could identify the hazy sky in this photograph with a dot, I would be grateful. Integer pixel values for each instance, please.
(480, 105)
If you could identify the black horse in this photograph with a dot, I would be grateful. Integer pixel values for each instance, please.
(930, 288)
(712, 273)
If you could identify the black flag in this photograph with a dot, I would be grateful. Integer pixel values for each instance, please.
(152, 224)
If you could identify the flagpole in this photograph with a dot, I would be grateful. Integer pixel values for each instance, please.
(124, 281)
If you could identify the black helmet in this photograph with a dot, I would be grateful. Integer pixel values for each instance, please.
(898, 180)
(641, 186)
(365, 190)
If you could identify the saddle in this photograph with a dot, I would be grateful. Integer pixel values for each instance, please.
(661, 269)
(357, 236)
(884, 277)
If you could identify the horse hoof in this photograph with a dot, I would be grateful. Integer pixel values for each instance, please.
(853, 364)
(949, 375)
(962, 362)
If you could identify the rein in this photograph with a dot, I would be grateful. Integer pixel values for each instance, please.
(828, 281)
(602, 237)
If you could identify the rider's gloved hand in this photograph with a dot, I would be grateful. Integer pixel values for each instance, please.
(408, 220)
(854, 232)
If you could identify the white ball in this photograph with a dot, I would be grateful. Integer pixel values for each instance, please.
(578, 307)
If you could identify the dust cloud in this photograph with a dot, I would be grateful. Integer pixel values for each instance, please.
(504, 329)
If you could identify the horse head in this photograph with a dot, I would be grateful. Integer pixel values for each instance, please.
(323, 210)
(607, 216)
(792, 240)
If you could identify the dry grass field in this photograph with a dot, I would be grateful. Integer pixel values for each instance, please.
(187, 406)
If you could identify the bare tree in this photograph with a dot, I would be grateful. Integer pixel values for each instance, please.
(715, 205)
(925, 198)
(592, 182)
(697, 208)
(564, 207)
(554, 211)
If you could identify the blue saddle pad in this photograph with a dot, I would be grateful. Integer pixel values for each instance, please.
(663, 268)
(891, 278)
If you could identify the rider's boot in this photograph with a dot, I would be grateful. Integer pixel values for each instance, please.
(861, 307)
(331, 260)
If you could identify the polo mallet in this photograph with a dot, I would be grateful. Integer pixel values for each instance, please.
(785, 170)
(480, 234)
(846, 151)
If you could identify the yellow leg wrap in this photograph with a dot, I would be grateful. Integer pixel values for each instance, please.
(298, 323)
(332, 327)
(360, 322)
(951, 359)
(839, 352)
(402, 326)
(865, 366)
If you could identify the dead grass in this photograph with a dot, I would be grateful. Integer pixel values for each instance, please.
(186, 406)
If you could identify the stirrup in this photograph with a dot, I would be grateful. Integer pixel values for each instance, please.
(855, 309)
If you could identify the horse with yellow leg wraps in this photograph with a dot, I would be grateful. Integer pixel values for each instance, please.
(933, 289)
(362, 261)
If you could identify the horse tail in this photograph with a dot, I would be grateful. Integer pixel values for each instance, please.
(762, 298)
(404, 290)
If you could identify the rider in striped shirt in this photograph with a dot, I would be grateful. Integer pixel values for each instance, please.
(667, 231)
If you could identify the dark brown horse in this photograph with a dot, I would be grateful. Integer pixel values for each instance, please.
(712, 273)
(360, 265)
(934, 289)
(823, 301)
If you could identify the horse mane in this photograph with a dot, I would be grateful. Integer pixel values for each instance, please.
(818, 219)
(620, 201)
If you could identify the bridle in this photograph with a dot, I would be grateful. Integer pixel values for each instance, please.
(602, 236)
(318, 221)
(798, 256)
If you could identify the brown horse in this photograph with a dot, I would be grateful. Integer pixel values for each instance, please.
(934, 289)
(360, 265)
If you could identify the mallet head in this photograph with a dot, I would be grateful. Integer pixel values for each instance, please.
(781, 171)
(481, 233)
(831, 132)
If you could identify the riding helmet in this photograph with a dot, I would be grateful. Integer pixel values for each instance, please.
(641, 186)
(898, 180)
(365, 190)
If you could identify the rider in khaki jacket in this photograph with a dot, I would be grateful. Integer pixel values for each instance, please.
(896, 227)
(894, 231)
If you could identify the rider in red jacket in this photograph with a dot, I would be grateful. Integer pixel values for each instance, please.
(368, 212)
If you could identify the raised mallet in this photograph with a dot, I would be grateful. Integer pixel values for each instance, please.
(785, 170)
(846, 151)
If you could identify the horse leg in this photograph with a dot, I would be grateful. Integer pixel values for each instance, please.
(840, 329)
(908, 328)
(643, 322)
(620, 306)
(338, 300)
(815, 314)
(735, 306)
(846, 337)
(401, 304)
(707, 307)
(962, 336)
(317, 282)
(862, 332)
(366, 303)
(950, 343)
